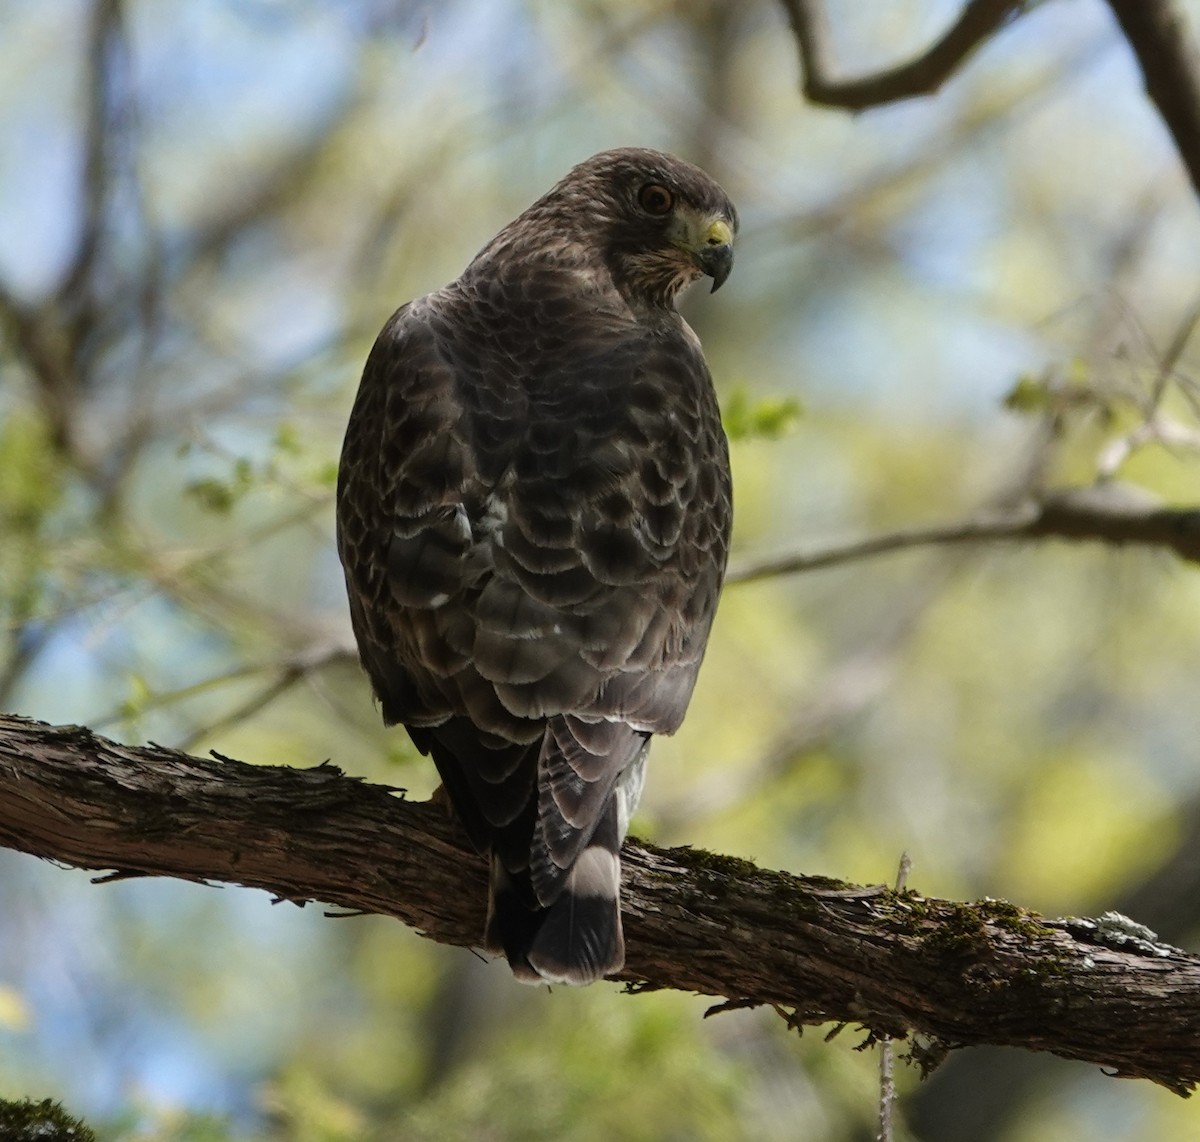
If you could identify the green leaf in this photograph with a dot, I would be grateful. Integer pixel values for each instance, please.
(768, 418)
(30, 475)
(213, 495)
(327, 474)
(287, 439)
(1030, 394)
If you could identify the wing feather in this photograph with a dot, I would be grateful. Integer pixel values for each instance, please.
(533, 551)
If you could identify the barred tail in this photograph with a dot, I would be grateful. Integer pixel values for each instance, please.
(580, 939)
(577, 939)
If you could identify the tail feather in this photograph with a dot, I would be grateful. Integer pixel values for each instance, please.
(556, 915)
(580, 938)
(512, 921)
(576, 938)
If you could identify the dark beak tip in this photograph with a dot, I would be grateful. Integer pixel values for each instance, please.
(718, 263)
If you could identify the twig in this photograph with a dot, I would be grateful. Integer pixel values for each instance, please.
(922, 75)
(1010, 525)
(1109, 513)
(255, 704)
(887, 1077)
(1170, 359)
(1157, 429)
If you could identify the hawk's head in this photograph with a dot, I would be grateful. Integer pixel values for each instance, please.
(657, 222)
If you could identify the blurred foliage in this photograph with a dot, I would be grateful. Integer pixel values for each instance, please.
(206, 212)
(769, 417)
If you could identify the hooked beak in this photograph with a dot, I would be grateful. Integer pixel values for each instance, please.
(716, 261)
(714, 253)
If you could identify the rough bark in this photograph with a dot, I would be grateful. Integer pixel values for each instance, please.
(950, 974)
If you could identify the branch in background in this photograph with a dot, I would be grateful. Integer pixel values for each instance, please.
(1157, 34)
(52, 337)
(901, 173)
(106, 46)
(816, 949)
(1108, 513)
(1155, 30)
(923, 75)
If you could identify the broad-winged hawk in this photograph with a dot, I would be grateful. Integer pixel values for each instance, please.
(533, 516)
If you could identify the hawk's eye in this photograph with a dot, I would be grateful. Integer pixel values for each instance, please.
(656, 199)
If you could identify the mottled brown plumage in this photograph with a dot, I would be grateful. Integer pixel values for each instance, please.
(533, 517)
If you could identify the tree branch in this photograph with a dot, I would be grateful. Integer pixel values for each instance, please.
(1157, 33)
(894, 963)
(923, 75)
(1112, 513)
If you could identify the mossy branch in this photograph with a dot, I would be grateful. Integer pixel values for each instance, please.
(942, 973)
(45, 1121)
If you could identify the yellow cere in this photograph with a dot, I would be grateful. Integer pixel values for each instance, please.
(718, 233)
